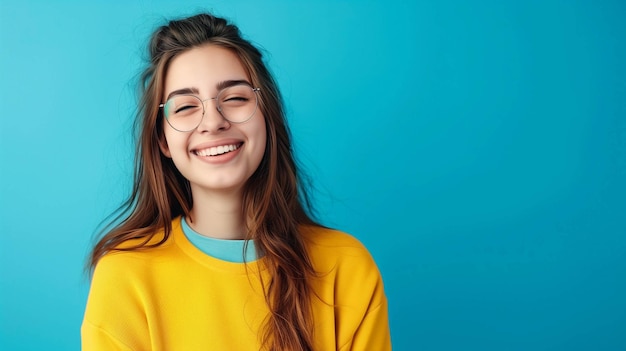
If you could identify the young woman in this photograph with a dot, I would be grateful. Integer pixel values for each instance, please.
(215, 250)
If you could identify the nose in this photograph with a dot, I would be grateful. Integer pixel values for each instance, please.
(212, 120)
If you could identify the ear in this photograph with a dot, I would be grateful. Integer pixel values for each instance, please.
(164, 148)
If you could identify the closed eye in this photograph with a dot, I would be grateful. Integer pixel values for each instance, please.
(184, 108)
(236, 98)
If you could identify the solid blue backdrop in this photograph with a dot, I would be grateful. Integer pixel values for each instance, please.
(478, 149)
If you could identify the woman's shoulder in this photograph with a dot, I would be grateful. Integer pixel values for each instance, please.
(334, 246)
(138, 251)
(328, 237)
(342, 262)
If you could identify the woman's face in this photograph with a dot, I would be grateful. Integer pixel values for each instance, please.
(218, 155)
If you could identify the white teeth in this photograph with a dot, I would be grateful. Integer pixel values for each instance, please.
(217, 150)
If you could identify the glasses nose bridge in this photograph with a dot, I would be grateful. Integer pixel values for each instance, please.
(207, 121)
(204, 103)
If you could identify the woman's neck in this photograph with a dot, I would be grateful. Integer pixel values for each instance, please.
(217, 215)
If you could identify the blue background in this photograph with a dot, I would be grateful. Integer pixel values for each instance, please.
(478, 149)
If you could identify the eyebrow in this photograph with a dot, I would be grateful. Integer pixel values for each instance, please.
(229, 83)
(183, 91)
(219, 86)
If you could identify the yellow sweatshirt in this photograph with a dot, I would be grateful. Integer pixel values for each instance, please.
(175, 297)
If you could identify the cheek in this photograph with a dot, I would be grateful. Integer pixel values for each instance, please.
(173, 142)
(257, 137)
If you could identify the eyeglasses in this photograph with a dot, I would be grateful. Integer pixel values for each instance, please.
(237, 104)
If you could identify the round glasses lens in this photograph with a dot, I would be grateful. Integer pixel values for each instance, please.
(237, 103)
(184, 112)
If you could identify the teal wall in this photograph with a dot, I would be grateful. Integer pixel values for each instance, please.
(478, 148)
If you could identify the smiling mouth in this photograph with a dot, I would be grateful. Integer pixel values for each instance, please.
(217, 150)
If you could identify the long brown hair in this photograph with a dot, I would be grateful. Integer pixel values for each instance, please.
(274, 200)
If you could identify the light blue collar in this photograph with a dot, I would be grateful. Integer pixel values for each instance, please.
(227, 250)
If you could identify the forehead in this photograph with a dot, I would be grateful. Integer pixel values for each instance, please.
(203, 68)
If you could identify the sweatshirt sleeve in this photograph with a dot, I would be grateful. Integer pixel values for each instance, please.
(373, 333)
(361, 303)
(97, 339)
(115, 317)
